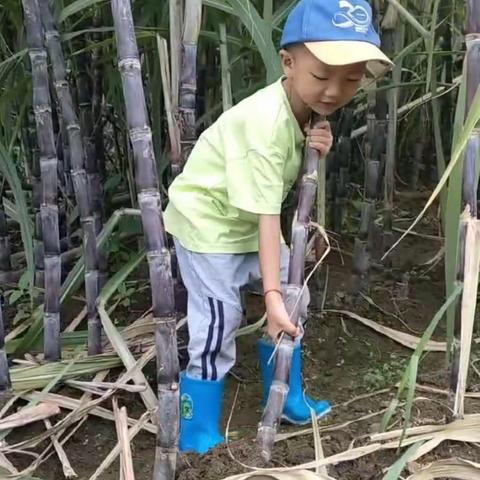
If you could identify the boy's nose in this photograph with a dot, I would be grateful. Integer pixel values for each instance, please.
(332, 91)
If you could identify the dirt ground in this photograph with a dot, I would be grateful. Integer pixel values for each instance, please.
(342, 360)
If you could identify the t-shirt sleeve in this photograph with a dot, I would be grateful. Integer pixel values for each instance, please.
(255, 181)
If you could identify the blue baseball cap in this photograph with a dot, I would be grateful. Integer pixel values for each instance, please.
(337, 32)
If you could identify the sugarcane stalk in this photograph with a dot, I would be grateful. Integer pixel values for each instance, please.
(79, 175)
(279, 388)
(158, 255)
(392, 39)
(344, 157)
(97, 99)
(364, 240)
(188, 80)
(96, 166)
(5, 251)
(34, 164)
(419, 147)
(469, 189)
(89, 102)
(48, 174)
(176, 27)
(227, 98)
(5, 382)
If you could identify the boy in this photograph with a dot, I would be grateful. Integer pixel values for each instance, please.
(224, 210)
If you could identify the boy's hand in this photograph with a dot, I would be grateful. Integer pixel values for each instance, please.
(277, 317)
(320, 138)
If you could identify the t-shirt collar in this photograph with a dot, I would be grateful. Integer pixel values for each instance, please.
(299, 136)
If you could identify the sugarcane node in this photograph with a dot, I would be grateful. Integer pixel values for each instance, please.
(129, 63)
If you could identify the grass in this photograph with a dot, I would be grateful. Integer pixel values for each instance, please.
(385, 373)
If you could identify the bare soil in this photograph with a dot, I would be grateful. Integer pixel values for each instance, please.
(342, 360)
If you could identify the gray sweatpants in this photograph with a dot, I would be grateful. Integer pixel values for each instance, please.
(213, 282)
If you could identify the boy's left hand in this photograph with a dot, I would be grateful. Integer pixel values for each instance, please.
(320, 138)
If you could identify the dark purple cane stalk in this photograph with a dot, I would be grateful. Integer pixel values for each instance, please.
(188, 80)
(79, 175)
(4, 371)
(279, 389)
(5, 251)
(34, 162)
(49, 178)
(374, 148)
(158, 255)
(89, 103)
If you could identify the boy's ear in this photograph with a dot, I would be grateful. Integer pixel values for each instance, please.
(288, 62)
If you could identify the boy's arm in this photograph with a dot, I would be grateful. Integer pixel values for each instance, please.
(269, 257)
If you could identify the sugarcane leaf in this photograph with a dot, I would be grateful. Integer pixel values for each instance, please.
(75, 277)
(452, 215)
(76, 7)
(430, 44)
(16, 294)
(412, 382)
(33, 333)
(282, 12)
(392, 408)
(23, 281)
(12, 211)
(396, 469)
(116, 281)
(261, 35)
(9, 171)
(268, 15)
(219, 5)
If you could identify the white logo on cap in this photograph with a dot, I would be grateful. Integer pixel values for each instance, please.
(352, 16)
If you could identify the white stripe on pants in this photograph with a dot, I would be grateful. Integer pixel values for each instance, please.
(213, 282)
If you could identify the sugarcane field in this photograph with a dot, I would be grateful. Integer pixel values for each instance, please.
(239, 239)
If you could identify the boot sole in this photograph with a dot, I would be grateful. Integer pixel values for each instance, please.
(306, 422)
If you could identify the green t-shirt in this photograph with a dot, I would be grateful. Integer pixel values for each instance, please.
(242, 166)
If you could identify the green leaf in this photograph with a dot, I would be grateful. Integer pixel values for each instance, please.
(113, 182)
(282, 12)
(396, 469)
(76, 7)
(219, 5)
(452, 215)
(9, 171)
(116, 282)
(16, 294)
(261, 35)
(23, 283)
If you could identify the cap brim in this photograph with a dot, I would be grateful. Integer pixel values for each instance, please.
(346, 52)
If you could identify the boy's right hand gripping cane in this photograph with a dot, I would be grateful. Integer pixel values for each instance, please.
(272, 412)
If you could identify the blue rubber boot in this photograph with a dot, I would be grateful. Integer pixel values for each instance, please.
(200, 410)
(297, 406)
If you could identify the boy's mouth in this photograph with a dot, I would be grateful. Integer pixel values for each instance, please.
(325, 108)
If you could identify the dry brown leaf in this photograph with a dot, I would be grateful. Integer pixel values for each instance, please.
(29, 415)
(469, 304)
(405, 339)
(68, 471)
(276, 475)
(454, 468)
(123, 440)
(72, 404)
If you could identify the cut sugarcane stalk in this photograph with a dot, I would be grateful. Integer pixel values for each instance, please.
(279, 388)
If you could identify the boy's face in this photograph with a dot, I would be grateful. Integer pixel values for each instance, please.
(323, 88)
